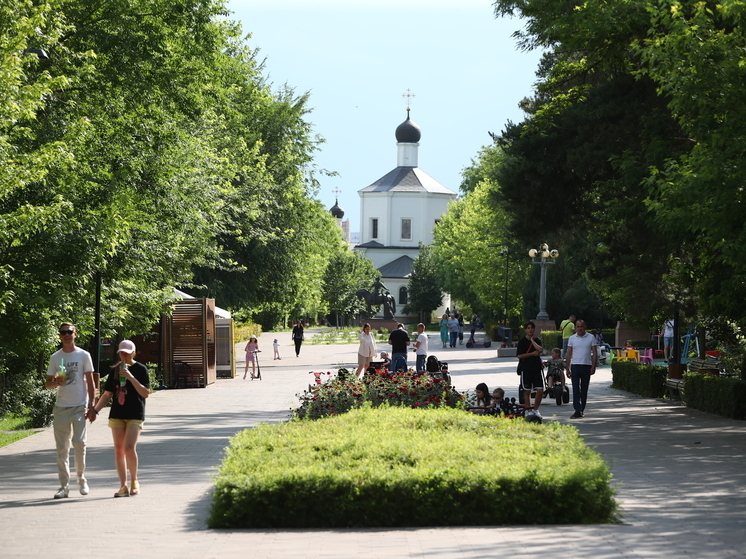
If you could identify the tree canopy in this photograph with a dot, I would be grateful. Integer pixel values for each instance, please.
(148, 151)
(632, 146)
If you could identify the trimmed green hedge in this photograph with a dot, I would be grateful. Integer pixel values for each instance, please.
(396, 467)
(646, 380)
(715, 394)
(551, 339)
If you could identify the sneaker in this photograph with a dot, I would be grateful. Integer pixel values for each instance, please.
(576, 415)
(62, 492)
(123, 492)
(83, 486)
(536, 412)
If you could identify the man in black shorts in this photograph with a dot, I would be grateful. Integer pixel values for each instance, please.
(529, 355)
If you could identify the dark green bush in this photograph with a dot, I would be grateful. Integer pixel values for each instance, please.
(646, 380)
(395, 467)
(715, 394)
(40, 406)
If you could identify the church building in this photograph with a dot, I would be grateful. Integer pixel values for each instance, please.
(398, 212)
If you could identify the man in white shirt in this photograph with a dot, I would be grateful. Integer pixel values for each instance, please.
(420, 347)
(580, 361)
(70, 372)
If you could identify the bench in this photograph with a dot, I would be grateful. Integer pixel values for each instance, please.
(676, 389)
(706, 365)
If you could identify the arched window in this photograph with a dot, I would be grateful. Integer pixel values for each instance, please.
(402, 295)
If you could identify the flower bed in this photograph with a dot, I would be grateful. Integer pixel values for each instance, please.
(345, 393)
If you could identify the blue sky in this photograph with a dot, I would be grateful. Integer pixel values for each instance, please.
(357, 58)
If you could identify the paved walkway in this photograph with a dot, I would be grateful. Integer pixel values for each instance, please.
(680, 475)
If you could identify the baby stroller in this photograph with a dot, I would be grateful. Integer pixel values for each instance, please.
(438, 369)
(554, 386)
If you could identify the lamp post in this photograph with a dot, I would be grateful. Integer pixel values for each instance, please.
(542, 254)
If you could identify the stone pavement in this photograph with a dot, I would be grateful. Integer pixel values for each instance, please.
(680, 476)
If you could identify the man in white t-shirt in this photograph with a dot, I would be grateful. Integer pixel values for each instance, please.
(70, 372)
(420, 347)
(580, 361)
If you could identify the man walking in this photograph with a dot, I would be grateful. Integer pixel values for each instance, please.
(420, 347)
(398, 340)
(567, 327)
(70, 371)
(529, 366)
(581, 359)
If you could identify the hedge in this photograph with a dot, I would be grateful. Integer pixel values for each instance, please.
(398, 467)
(715, 394)
(646, 380)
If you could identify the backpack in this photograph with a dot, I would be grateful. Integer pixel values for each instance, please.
(432, 365)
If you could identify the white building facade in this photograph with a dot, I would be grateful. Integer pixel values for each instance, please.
(398, 212)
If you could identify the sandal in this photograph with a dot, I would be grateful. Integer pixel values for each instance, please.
(123, 492)
(135, 488)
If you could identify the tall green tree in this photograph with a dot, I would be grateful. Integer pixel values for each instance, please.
(346, 272)
(146, 149)
(424, 292)
(471, 248)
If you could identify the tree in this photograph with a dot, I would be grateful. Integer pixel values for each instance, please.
(424, 293)
(471, 270)
(346, 273)
(147, 147)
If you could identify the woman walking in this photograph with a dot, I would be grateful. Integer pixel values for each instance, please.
(444, 330)
(251, 348)
(129, 385)
(298, 337)
(366, 351)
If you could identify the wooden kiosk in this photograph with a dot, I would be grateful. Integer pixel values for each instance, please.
(188, 350)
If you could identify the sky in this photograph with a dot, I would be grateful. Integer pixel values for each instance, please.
(357, 58)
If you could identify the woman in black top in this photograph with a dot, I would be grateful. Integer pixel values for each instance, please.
(298, 336)
(128, 385)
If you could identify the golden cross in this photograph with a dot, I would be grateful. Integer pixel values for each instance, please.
(408, 95)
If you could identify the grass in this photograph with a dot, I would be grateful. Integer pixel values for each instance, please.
(17, 428)
(397, 467)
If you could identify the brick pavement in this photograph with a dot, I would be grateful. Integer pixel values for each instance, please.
(679, 473)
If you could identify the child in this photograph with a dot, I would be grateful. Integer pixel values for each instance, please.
(386, 360)
(555, 368)
(498, 395)
(276, 347)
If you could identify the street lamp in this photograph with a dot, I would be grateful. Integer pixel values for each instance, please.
(542, 254)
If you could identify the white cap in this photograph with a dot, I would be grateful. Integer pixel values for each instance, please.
(126, 346)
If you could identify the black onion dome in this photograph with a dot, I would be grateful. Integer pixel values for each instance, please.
(408, 132)
(336, 211)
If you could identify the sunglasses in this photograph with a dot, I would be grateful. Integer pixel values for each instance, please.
(67, 332)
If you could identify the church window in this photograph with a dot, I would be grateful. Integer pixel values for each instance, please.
(406, 228)
(402, 295)
(374, 228)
